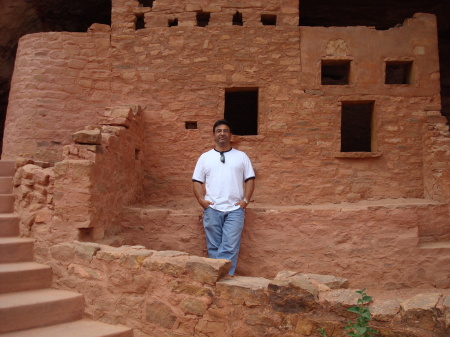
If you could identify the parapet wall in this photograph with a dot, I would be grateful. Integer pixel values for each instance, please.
(173, 293)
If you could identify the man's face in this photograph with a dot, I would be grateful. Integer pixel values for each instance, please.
(222, 135)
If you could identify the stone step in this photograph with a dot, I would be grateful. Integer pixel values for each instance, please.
(6, 203)
(6, 185)
(81, 328)
(7, 168)
(9, 225)
(16, 249)
(23, 276)
(37, 308)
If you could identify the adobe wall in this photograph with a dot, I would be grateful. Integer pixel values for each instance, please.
(179, 74)
(61, 83)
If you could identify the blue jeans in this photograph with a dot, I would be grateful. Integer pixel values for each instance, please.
(223, 234)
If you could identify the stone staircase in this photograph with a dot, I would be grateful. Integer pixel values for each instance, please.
(28, 306)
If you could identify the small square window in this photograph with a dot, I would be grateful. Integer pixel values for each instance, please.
(173, 22)
(335, 72)
(237, 19)
(190, 125)
(269, 19)
(398, 72)
(146, 3)
(203, 18)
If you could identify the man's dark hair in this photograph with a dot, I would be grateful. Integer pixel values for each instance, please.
(221, 122)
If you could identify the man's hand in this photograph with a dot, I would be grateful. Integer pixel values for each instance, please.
(205, 203)
(242, 204)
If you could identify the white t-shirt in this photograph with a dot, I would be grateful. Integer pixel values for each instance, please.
(224, 181)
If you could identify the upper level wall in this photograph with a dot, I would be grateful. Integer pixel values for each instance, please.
(180, 74)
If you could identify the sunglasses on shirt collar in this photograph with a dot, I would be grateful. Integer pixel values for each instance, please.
(222, 157)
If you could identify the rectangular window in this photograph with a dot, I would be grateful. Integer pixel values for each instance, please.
(335, 72)
(241, 110)
(398, 72)
(356, 126)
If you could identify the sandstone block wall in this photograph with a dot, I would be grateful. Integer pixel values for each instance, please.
(373, 245)
(80, 196)
(179, 75)
(61, 83)
(173, 293)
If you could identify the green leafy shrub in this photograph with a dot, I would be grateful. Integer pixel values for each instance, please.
(359, 328)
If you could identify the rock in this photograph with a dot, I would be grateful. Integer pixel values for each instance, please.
(193, 306)
(249, 291)
(86, 250)
(330, 281)
(207, 270)
(166, 263)
(339, 301)
(385, 311)
(92, 137)
(293, 296)
(447, 312)
(420, 311)
(160, 314)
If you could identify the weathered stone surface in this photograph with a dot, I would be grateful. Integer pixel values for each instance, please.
(420, 310)
(249, 291)
(93, 137)
(329, 281)
(207, 270)
(339, 301)
(292, 296)
(63, 252)
(86, 250)
(171, 263)
(193, 306)
(385, 310)
(447, 311)
(160, 314)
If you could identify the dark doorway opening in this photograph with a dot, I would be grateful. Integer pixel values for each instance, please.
(356, 126)
(241, 110)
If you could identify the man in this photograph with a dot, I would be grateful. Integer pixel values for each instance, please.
(229, 182)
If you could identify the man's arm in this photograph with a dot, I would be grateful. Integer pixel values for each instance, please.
(198, 192)
(249, 186)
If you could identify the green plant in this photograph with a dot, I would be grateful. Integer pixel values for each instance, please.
(359, 328)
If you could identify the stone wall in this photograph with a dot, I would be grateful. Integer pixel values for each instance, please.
(81, 195)
(180, 74)
(175, 294)
(61, 83)
(373, 244)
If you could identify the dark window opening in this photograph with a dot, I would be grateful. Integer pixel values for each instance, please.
(335, 72)
(241, 110)
(85, 234)
(237, 19)
(356, 126)
(190, 125)
(398, 72)
(140, 22)
(137, 154)
(146, 3)
(173, 22)
(203, 19)
(269, 19)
